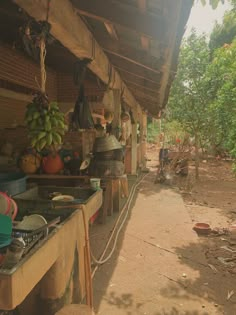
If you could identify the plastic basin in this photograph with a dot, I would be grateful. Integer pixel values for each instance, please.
(12, 183)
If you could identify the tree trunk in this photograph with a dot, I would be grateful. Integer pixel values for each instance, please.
(196, 155)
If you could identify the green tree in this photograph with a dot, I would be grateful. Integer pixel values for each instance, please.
(223, 95)
(214, 3)
(188, 97)
(225, 32)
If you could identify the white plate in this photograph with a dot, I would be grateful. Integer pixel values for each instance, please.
(63, 198)
(32, 222)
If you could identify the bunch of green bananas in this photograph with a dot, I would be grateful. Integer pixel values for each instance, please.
(46, 124)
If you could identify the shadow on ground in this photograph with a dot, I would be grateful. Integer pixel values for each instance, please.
(211, 285)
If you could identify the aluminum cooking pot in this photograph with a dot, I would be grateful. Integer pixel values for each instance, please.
(106, 143)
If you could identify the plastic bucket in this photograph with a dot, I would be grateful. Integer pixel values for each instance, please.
(95, 183)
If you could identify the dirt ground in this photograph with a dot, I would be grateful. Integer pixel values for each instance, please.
(210, 284)
(211, 199)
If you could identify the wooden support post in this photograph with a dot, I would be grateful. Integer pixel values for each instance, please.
(134, 149)
(143, 137)
(116, 194)
(116, 123)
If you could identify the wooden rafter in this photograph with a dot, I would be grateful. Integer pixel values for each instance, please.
(138, 63)
(135, 75)
(111, 11)
(140, 85)
(145, 41)
(71, 31)
(111, 30)
(144, 102)
(130, 54)
(134, 68)
(152, 97)
(140, 81)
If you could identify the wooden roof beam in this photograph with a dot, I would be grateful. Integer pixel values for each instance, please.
(111, 30)
(135, 69)
(129, 53)
(135, 75)
(131, 82)
(70, 30)
(152, 97)
(154, 86)
(145, 41)
(178, 14)
(111, 11)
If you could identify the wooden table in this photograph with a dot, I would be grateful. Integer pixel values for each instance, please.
(111, 185)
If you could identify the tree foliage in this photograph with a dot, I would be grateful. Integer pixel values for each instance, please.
(187, 102)
(225, 32)
(203, 95)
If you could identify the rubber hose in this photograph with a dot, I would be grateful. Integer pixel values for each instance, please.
(101, 261)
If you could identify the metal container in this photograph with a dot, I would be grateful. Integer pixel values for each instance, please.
(107, 168)
(104, 156)
(107, 143)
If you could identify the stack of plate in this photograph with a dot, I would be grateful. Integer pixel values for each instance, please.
(5, 230)
(32, 222)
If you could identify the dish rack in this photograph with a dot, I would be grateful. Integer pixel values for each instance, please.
(32, 237)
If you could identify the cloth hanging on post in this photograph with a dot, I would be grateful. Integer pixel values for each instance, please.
(81, 117)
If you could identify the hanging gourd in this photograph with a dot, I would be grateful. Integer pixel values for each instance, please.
(44, 120)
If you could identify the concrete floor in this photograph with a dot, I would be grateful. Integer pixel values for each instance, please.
(158, 267)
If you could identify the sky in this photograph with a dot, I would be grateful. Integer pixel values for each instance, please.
(203, 18)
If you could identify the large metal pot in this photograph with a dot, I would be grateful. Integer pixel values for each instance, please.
(106, 143)
(104, 156)
(107, 168)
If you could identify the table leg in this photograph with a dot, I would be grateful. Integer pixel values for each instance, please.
(116, 194)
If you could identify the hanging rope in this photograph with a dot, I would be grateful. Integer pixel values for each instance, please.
(42, 65)
(43, 53)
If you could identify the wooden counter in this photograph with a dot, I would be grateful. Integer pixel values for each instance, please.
(53, 263)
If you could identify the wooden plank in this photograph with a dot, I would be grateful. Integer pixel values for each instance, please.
(108, 199)
(134, 55)
(15, 95)
(145, 41)
(153, 97)
(111, 11)
(132, 74)
(164, 90)
(111, 30)
(143, 102)
(71, 31)
(139, 85)
(142, 5)
(140, 81)
(136, 69)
